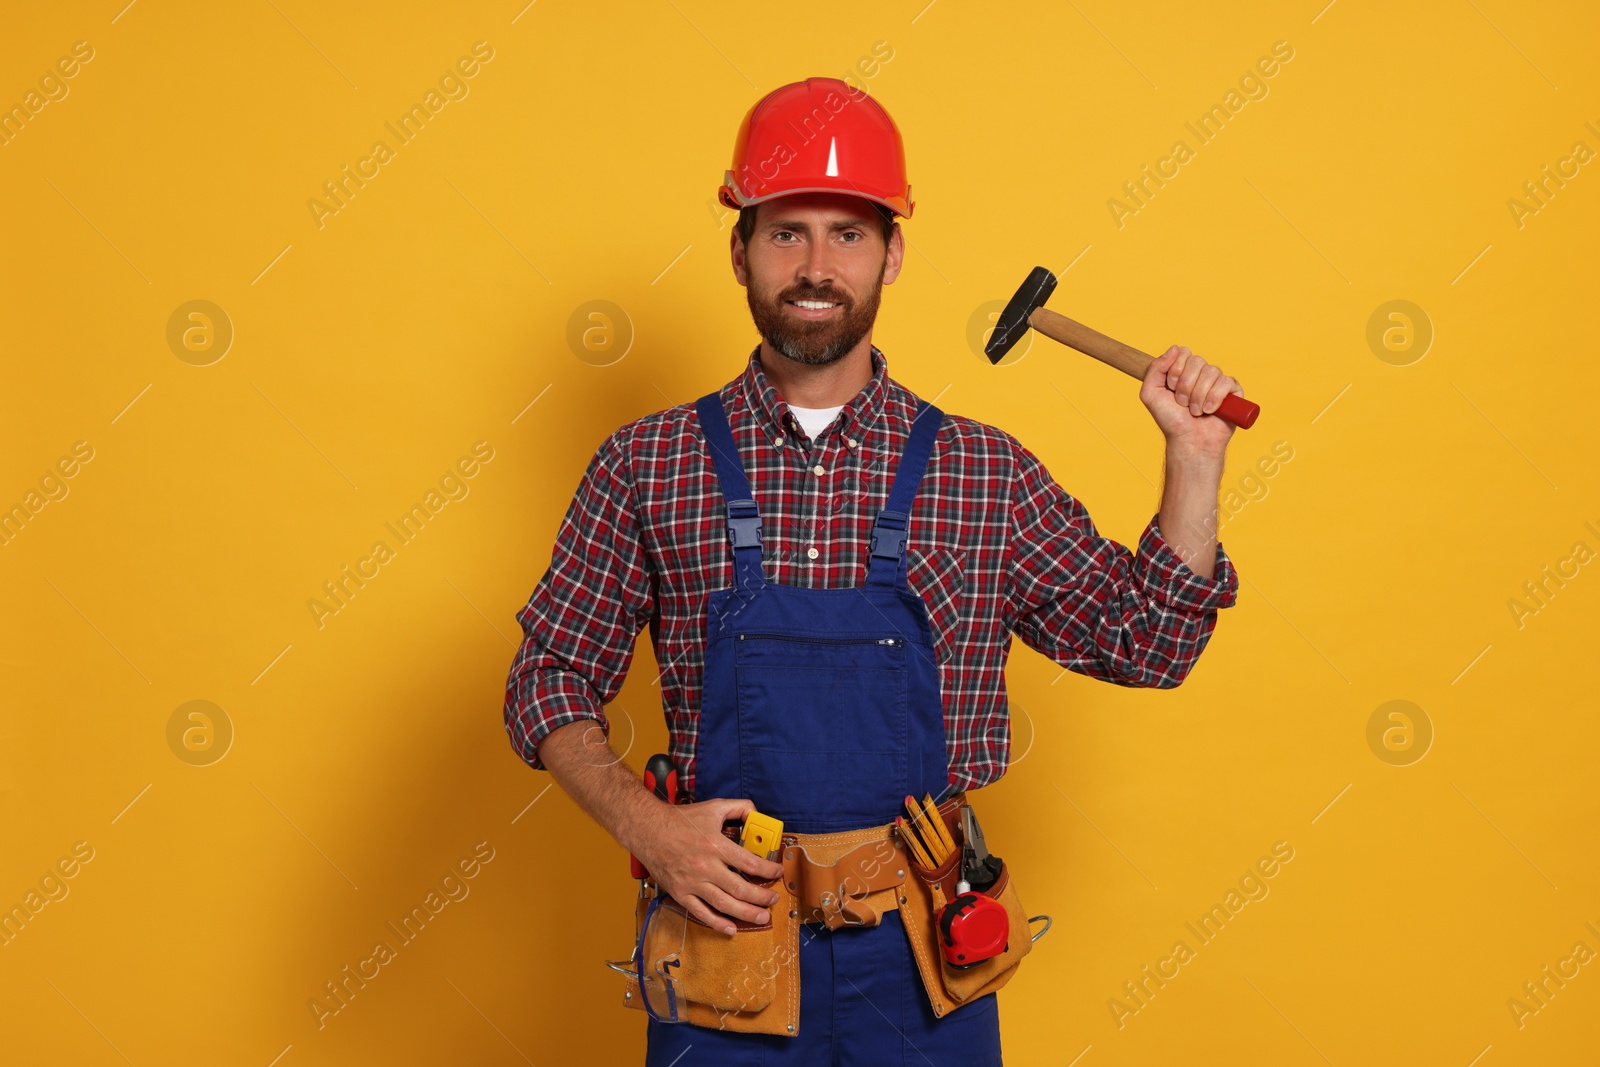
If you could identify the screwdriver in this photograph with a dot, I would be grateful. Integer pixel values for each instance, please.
(661, 778)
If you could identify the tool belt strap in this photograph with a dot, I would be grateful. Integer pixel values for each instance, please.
(849, 878)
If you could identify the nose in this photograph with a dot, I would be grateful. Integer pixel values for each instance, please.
(818, 267)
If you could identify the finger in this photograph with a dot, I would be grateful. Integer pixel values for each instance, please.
(753, 892)
(1219, 391)
(719, 813)
(1184, 391)
(731, 808)
(741, 858)
(1180, 360)
(1158, 367)
(1202, 389)
(1191, 370)
(730, 907)
(698, 909)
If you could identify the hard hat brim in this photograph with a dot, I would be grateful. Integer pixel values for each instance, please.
(902, 206)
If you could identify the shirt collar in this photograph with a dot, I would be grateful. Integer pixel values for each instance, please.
(860, 413)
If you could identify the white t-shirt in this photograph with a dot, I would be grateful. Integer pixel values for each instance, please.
(814, 420)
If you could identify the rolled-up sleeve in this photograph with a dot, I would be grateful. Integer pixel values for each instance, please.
(1139, 619)
(580, 624)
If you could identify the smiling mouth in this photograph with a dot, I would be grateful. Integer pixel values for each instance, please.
(813, 307)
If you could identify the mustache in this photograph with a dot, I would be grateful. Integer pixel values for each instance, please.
(830, 295)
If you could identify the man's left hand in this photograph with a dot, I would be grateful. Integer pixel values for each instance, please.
(1182, 390)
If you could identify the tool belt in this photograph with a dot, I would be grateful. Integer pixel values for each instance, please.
(750, 981)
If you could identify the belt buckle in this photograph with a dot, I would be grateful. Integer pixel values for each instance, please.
(835, 893)
(836, 915)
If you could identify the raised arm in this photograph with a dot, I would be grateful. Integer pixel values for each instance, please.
(1137, 619)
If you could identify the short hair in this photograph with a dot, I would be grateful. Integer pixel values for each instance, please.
(747, 222)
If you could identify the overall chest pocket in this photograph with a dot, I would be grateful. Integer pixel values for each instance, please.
(823, 731)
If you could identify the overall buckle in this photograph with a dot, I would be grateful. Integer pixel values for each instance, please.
(744, 524)
(889, 535)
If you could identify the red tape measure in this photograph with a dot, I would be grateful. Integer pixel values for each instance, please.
(973, 928)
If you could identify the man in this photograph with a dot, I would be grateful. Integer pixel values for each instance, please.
(768, 533)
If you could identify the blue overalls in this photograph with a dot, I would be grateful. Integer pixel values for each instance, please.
(823, 707)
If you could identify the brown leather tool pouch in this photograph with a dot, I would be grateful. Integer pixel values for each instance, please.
(949, 986)
(750, 981)
(747, 982)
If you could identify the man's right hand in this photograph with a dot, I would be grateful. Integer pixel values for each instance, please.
(689, 858)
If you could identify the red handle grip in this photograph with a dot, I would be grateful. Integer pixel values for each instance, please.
(661, 778)
(1237, 410)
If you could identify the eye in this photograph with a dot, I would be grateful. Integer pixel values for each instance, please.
(856, 234)
(783, 233)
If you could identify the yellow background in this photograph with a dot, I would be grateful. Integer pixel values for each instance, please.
(369, 354)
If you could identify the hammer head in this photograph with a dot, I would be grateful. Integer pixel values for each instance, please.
(1013, 322)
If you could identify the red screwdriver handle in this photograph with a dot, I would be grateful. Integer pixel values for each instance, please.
(661, 778)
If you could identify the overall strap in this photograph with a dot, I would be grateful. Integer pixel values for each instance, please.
(744, 519)
(886, 565)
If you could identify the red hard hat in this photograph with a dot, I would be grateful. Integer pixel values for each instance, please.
(819, 135)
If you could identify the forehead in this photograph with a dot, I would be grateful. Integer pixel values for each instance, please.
(816, 209)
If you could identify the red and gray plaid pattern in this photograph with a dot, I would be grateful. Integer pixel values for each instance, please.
(996, 547)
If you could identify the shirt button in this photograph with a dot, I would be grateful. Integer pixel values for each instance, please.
(817, 469)
(777, 442)
(854, 443)
(812, 553)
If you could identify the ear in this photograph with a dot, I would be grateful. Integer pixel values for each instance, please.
(736, 251)
(894, 256)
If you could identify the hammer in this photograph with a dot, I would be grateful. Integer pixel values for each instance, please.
(1027, 309)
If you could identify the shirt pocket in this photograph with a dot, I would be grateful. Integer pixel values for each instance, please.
(939, 575)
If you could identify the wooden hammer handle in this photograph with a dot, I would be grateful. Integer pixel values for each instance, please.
(1234, 408)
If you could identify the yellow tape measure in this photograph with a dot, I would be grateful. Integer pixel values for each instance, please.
(762, 834)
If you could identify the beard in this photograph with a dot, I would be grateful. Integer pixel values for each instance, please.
(815, 341)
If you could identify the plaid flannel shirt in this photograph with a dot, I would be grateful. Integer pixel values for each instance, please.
(996, 547)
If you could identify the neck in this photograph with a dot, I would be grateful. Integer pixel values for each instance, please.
(808, 386)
